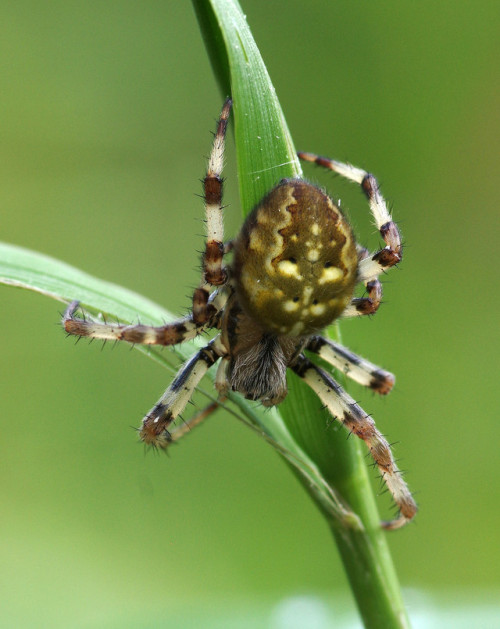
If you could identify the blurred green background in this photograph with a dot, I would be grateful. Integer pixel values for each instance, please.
(105, 118)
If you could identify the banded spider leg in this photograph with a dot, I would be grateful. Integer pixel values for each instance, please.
(206, 308)
(371, 265)
(345, 410)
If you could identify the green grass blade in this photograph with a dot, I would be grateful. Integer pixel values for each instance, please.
(24, 268)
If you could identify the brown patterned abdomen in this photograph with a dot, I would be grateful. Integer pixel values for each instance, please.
(295, 260)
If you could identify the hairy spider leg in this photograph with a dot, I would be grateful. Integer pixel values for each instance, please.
(347, 412)
(365, 305)
(372, 265)
(205, 307)
(154, 428)
(168, 334)
(353, 366)
(214, 272)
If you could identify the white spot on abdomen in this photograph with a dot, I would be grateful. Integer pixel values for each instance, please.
(306, 294)
(313, 255)
(290, 306)
(290, 269)
(317, 309)
(332, 274)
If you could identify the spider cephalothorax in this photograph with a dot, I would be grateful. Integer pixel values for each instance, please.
(294, 270)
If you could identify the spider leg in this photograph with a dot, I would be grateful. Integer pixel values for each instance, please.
(168, 334)
(371, 266)
(222, 377)
(214, 272)
(206, 305)
(192, 422)
(349, 413)
(355, 367)
(365, 305)
(202, 309)
(154, 428)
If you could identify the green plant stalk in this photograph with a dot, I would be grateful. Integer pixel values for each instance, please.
(266, 154)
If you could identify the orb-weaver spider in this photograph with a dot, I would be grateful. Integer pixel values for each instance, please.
(294, 270)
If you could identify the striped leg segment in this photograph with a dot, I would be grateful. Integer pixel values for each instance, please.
(348, 413)
(154, 429)
(214, 272)
(365, 305)
(168, 334)
(354, 367)
(372, 266)
(203, 310)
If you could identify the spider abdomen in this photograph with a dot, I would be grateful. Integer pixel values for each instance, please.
(295, 263)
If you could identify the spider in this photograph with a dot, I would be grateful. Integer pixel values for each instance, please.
(294, 270)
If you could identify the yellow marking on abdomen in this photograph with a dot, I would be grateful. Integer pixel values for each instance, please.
(332, 274)
(290, 269)
(317, 309)
(313, 255)
(290, 306)
(306, 294)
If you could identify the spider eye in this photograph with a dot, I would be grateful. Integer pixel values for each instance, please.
(292, 260)
(328, 265)
(296, 299)
(315, 302)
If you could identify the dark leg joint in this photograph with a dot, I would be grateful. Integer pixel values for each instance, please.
(369, 185)
(213, 189)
